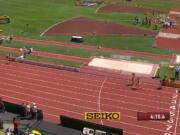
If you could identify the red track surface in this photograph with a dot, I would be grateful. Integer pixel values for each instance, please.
(170, 43)
(49, 55)
(87, 26)
(127, 9)
(171, 30)
(87, 47)
(60, 92)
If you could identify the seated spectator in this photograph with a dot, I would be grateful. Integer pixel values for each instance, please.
(28, 110)
(2, 106)
(24, 109)
(34, 111)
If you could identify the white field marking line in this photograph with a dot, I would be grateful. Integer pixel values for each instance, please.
(122, 78)
(143, 99)
(69, 75)
(48, 99)
(54, 72)
(140, 93)
(175, 129)
(39, 104)
(81, 114)
(43, 86)
(50, 87)
(61, 72)
(120, 84)
(94, 96)
(58, 95)
(76, 82)
(45, 77)
(50, 27)
(52, 82)
(95, 103)
(53, 115)
(97, 9)
(135, 125)
(92, 90)
(99, 97)
(59, 90)
(51, 78)
(91, 101)
(48, 106)
(129, 133)
(90, 79)
(76, 78)
(118, 101)
(52, 75)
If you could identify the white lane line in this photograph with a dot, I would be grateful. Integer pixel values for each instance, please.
(42, 76)
(99, 97)
(72, 77)
(71, 81)
(176, 125)
(66, 110)
(109, 105)
(39, 104)
(60, 90)
(53, 72)
(135, 125)
(48, 99)
(103, 84)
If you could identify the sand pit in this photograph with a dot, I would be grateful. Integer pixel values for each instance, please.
(125, 66)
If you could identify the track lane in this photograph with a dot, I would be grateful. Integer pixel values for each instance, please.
(109, 104)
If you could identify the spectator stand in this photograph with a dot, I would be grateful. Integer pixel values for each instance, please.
(15, 110)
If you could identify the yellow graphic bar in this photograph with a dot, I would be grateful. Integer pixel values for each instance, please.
(102, 115)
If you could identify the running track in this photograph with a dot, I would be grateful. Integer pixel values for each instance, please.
(88, 47)
(60, 92)
(49, 55)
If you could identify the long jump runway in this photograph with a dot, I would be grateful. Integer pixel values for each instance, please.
(59, 92)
